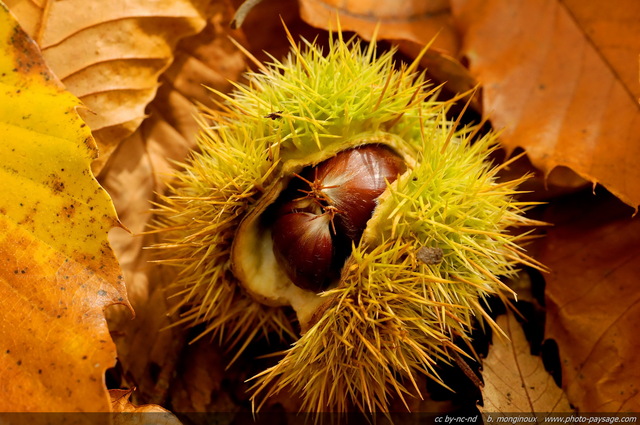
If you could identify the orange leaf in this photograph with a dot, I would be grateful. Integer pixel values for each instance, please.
(418, 22)
(57, 270)
(593, 303)
(561, 79)
(110, 54)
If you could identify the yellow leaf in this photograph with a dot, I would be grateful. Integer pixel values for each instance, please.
(110, 54)
(57, 270)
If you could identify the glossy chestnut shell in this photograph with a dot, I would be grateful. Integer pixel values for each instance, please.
(325, 210)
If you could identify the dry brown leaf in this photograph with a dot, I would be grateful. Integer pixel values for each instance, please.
(560, 78)
(418, 22)
(443, 68)
(125, 413)
(263, 31)
(139, 169)
(199, 387)
(141, 166)
(593, 302)
(110, 54)
(615, 33)
(57, 271)
(515, 381)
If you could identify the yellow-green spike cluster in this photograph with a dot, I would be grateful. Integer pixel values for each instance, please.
(392, 315)
(198, 222)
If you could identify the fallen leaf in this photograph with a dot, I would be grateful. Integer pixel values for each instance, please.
(408, 25)
(139, 169)
(58, 272)
(199, 386)
(593, 303)
(110, 54)
(419, 22)
(149, 352)
(515, 381)
(125, 413)
(560, 79)
(264, 34)
(443, 68)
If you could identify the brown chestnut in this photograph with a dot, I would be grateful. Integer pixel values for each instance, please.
(352, 181)
(303, 246)
(326, 208)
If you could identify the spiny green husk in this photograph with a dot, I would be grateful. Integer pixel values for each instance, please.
(391, 316)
